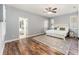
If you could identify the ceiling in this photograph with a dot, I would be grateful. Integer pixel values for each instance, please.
(40, 8)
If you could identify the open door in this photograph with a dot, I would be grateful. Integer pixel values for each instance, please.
(23, 27)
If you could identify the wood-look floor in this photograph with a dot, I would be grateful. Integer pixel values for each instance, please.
(28, 47)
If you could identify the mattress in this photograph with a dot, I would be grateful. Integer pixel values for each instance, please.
(57, 32)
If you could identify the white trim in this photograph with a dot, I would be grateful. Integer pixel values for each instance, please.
(2, 43)
(25, 25)
(34, 35)
(11, 40)
(2, 49)
(26, 37)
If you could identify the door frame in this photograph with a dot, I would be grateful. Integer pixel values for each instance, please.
(25, 31)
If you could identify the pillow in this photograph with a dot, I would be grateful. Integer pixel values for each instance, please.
(52, 27)
(55, 28)
(62, 28)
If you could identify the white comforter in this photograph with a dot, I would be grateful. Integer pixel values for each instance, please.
(60, 32)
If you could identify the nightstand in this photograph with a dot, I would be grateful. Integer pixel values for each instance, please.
(71, 34)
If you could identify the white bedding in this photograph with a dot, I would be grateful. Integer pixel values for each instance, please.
(58, 33)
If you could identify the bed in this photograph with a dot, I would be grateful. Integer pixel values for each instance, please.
(59, 31)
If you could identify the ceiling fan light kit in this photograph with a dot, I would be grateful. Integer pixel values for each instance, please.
(51, 10)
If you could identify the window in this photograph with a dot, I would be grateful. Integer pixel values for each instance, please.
(46, 24)
(52, 23)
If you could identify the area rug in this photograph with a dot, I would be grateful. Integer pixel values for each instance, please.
(56, 43)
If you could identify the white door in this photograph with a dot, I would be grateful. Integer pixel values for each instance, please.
(52, 23)
(45, 25)
(23, 27)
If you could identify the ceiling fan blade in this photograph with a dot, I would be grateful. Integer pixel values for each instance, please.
(46, 8)
(54, 9)
(49, 8)
(45, 11)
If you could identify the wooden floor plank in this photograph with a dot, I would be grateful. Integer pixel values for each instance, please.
(28, 47)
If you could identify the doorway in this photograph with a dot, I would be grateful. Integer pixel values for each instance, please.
(23, 27)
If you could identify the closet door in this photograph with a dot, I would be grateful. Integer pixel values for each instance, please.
(52, 23)
(45, 25)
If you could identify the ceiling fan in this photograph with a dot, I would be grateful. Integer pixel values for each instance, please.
(50, 9)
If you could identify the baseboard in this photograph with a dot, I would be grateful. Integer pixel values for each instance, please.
(2, 48)
(11, 40)
(34, 35)
(26, 37)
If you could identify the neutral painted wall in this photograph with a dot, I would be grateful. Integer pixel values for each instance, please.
(35, 22)
(64, 19)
